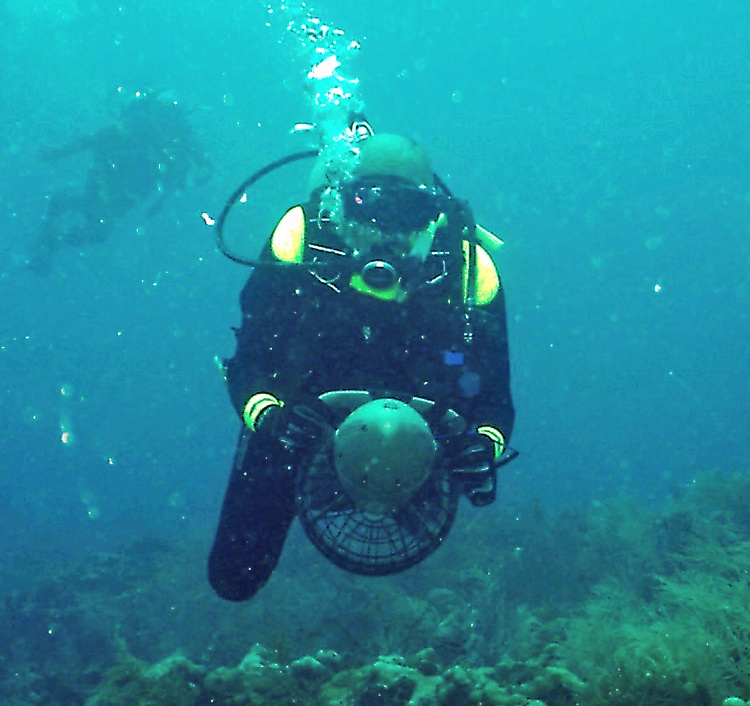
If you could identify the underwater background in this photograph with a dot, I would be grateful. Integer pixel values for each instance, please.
(608, 144)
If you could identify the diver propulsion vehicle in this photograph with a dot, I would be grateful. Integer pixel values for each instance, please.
(375, 497)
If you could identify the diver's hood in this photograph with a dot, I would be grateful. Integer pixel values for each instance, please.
(379, 155)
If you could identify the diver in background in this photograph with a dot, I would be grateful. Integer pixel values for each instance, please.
(147, 155)
(396, 300)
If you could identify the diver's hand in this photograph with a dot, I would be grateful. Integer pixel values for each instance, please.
(295, 427)
(471, 460)
(470, 453)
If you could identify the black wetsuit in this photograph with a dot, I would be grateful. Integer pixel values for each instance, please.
(300, 338)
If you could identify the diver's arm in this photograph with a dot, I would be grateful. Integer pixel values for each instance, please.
(475, 456)
(491, 360)
(269, 309)
(81, 144)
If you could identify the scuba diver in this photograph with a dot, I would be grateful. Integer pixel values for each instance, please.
(147, 155)
(371, 372)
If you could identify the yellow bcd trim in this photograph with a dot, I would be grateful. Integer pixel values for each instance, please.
(488, 240)
(256, 405)
(496, 437)
(422, 240)
(486, 282)
(288, 237)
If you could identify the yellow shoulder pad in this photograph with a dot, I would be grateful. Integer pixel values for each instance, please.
(288, 237)
(486, 282)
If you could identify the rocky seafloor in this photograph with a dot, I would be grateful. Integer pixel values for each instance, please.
(614, 603)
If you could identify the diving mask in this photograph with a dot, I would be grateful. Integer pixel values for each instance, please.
(392, 205)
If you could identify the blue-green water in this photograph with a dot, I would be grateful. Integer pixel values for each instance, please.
(608, 147)
(608, 144)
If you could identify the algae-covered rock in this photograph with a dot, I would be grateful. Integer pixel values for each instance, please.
(258, 680)
(174, 681)
(461, 686)
(455, 688)
(555, 685)
(389, 681)
(329, 658)
(426, 661)
(452, 637)
(309, 670)
(259, 659)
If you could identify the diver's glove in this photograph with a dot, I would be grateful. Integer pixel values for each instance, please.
(294, 427)
(473, 459)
